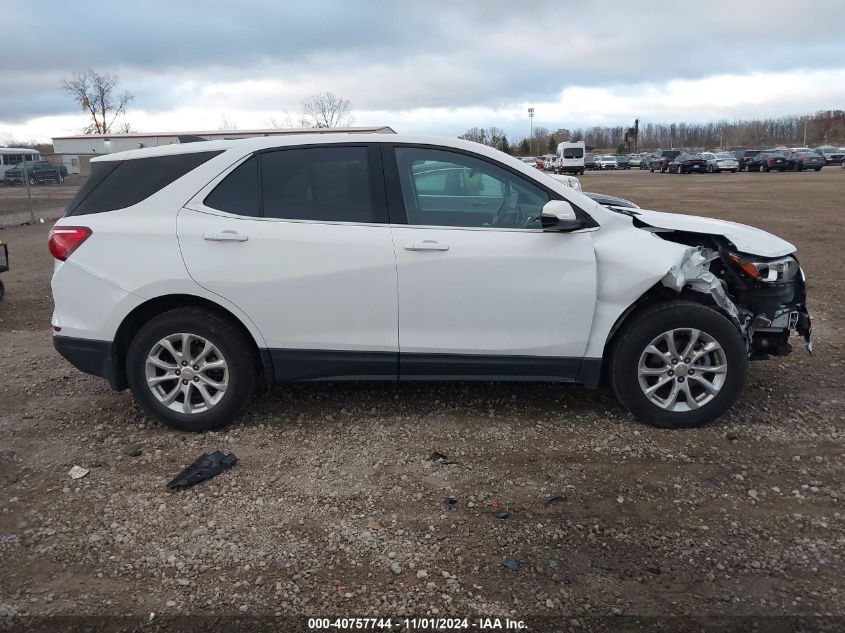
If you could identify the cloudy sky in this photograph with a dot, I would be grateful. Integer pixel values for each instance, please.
(422, 66)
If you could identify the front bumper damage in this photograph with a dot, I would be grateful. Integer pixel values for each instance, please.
(764, 312)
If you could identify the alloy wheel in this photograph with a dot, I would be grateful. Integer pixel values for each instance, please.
(187, 373)
(682, 369)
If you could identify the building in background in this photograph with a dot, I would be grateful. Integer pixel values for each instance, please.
(75, 152)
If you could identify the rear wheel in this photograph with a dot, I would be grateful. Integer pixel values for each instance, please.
(678, 365)
(191, 369)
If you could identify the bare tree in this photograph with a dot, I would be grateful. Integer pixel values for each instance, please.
(126, 127)
(286, 122)
(227, 124)
(97, 95)
(327, 110)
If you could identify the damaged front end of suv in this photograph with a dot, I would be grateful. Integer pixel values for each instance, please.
(764, 296)
(752, 276)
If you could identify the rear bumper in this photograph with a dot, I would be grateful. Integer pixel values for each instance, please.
(92, 357)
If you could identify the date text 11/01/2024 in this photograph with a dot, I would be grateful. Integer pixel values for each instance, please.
(417, 624)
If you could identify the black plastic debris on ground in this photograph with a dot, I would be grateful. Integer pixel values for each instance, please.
(450, 503)
(205, 467)
(502, 514)
(441, 458)
(511, 564)
(555, 499)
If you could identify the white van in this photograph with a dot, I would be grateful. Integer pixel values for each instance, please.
(11, 156)
(571, 157)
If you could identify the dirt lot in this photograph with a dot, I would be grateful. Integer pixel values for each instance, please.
(47, 199)
(336, 509)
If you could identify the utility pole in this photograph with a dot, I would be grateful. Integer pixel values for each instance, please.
(805, 132)
(531, 141)
(28, 191)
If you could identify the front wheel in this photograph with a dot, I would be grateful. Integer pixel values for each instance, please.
(191, 369)
(678, 364)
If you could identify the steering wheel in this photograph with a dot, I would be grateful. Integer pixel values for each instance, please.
(501, 215)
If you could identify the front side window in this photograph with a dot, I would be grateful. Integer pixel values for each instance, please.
(328, 184)
(444, 188)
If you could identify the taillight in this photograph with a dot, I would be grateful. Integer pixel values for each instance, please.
(66, 239)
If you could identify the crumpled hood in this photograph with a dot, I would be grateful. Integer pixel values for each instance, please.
(747, 239)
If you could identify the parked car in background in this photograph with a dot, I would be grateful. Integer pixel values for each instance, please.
(571, 157)
(623, 161)
(687, 164)
(645, 161)
(832, 155)
(606, 162)
(197, 274)
(634, 160)
(720, 161)
(37, 172)
(590, 162)
(767, 161)
(744, 156)
(800, 160)
(532, 160)
(552, 163)
(660, 159)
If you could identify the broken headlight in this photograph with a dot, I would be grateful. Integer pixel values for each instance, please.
(783, 269)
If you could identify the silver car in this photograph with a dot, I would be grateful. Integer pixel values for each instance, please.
(720, 161)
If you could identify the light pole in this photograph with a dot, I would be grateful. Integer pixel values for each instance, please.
(531, 138)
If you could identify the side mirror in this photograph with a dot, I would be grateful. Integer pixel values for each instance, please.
(558, 215)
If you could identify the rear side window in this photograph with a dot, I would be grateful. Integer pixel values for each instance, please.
(116, 185)
(238, 192)
(329, 184)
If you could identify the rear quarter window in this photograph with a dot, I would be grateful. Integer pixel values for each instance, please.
(116, 185)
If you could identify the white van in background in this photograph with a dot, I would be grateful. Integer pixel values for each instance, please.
(11, 156)
(571, 157)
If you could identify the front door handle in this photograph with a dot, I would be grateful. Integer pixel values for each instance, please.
(426, 245)
(225, 236)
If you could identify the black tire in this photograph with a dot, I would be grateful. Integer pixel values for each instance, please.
(733, 171)
(644, 327)
(235, 347)
(817, 168)
(2, 289)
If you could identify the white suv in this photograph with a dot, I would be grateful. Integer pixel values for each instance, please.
(196, 274)
(606, 162)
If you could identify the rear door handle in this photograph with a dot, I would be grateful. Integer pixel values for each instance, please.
(426, 245)
(225, 236)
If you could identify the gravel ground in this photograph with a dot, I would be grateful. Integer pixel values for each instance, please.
(48, 200)
(336, 507)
